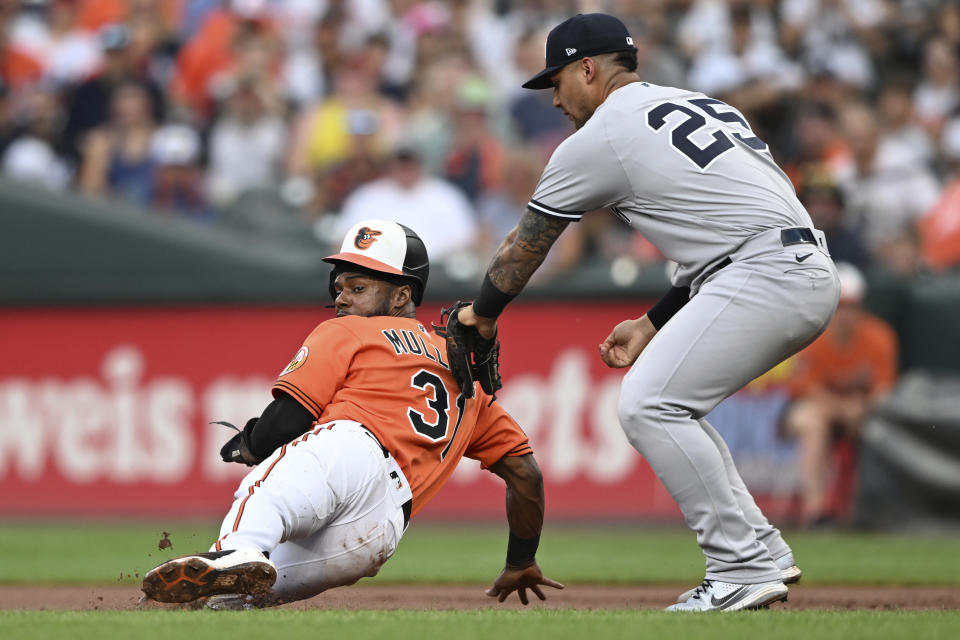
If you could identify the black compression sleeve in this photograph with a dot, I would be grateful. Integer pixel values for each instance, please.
(667, 306)
(283, 420)
(490, 301)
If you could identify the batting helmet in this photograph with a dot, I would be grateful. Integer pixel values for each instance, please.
(387, 250)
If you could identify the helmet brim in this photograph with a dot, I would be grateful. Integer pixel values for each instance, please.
(363, 261)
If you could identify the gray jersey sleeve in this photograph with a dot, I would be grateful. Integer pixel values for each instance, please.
(583, 174)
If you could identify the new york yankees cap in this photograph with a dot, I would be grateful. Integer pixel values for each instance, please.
(585, 34)
(384, 247)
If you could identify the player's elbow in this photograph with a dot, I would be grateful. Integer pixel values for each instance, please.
(521, 473)
(528, 478)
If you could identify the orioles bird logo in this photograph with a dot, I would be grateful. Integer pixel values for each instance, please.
(366, 237)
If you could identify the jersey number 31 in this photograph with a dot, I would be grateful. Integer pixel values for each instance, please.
(440, 405)
(695, 120)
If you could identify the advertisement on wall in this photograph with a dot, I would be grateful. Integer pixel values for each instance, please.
(110, 411)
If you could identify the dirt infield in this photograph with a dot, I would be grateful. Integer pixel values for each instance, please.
(472, 597)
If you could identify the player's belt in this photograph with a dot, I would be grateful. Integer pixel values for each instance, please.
(406, 506)
(788, 236)
(797, 235)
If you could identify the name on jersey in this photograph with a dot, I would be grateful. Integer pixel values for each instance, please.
(409, 343)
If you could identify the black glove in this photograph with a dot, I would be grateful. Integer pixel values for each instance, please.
(472, 357)
(237, 448)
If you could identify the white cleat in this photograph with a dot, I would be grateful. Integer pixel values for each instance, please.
(713, 595)
(789, 571)
(184, 579)
(789, 574)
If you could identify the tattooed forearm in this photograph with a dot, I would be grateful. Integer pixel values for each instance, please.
(523, 250)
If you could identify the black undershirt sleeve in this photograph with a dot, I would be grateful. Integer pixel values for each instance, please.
(283, 420)
(668, 305)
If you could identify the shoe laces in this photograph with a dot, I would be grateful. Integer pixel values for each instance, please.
(702, 589)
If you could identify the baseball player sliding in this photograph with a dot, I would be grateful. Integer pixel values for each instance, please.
(366, 425)
(755, 283)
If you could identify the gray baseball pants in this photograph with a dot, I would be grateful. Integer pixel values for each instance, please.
(757, 311)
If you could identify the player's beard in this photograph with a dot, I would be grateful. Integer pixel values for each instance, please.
(578, 122)
(384, 308)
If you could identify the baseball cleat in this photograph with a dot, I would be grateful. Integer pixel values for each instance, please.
(184, 579)
(713, 595)
(789, 571)
(789, 574)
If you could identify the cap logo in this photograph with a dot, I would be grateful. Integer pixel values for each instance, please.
(571, 51)
(366, 237)
(629, 41)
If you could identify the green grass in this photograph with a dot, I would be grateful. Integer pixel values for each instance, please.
(107, 553)
(467, 625)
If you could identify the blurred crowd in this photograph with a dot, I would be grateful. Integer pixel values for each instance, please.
(263, 113)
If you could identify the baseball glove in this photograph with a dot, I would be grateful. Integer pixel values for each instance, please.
(473, 358)
(237, 448)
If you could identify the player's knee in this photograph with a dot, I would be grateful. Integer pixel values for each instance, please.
(636, 416)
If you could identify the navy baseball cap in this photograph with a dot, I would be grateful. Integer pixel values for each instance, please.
(585, 34)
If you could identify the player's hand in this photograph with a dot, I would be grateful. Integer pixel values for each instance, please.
(512, 579)
(626, 342)
(486, 326)
(237, 448)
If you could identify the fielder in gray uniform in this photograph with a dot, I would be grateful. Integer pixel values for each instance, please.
(754, 285)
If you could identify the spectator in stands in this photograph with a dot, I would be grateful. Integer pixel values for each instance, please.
(178, 178)
(36, 155)
(534, 117)
(748, 69)
(939, 228)
(938, 93)
(885, 191)
(812, 140)
(902, 133)
(337, 143)
(18, 69)
(446, 221)
(823, 200)
(839, 378)
(476, 157)
(89, 103)
(116, 156)
(836, 36)
(657, 61)
(306, 72)
(67, 53)
(247, 143)
(212, 54)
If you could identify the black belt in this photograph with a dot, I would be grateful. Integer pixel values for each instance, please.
(790, 236)
(407, 506)
(797, 235)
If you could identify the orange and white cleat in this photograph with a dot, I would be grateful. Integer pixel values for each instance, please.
(184, 579)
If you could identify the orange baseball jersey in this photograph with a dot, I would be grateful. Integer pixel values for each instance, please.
(391, 375)
(867, 364)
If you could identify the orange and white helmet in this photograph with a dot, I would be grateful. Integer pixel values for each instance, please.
(386, 249)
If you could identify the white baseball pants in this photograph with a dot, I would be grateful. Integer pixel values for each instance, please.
(769, 303)
(326, 507)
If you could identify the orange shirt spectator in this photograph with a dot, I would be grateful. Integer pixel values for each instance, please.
(212, 51)
(18, 69)
(940, 230)
(93, 14)
(862, 361)
(839, 379)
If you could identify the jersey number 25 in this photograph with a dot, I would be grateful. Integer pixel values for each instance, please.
(695, 120)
